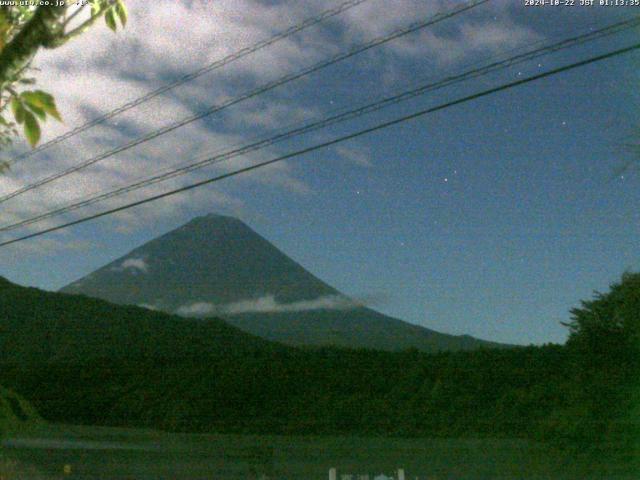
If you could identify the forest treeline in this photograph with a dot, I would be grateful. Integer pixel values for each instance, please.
(81, 360)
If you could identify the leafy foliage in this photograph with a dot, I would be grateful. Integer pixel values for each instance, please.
(24, 29)
(605, 341)
(609, 325)
(31, 107)
(15, 412)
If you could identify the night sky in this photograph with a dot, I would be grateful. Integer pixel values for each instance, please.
(491, 218)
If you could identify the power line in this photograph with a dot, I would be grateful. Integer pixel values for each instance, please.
(309, 22)
(331, 120)
(332, 142)
(334, 119)
(253, 93)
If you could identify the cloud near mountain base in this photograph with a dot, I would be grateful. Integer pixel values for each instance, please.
(267, 304)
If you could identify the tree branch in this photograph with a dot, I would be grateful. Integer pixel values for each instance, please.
(79, 30)
(40, 31)
(73, 15)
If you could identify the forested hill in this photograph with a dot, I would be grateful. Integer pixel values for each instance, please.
(82, 360)
(39, 326)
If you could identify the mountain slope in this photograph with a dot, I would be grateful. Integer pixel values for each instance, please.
(217, 265)
(212, 258)
(83, 360)
(359, 327)
(38, 327)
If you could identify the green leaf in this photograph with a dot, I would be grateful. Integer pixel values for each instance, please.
(95, 7)
(31, 128)
(38, 111)
(41, 101)
(53, 111)
(123, 14)
(33, 98)
(18, 109)
(110, 20)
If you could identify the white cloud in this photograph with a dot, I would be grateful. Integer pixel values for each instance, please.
(102, 70)
(267, 304)
(197, 309)
(493, 36)
(133, 264)
(357, 155)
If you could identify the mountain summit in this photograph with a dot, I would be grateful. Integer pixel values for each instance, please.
(217, 265)
(212, 260)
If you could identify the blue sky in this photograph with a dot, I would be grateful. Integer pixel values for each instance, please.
(491, 218)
